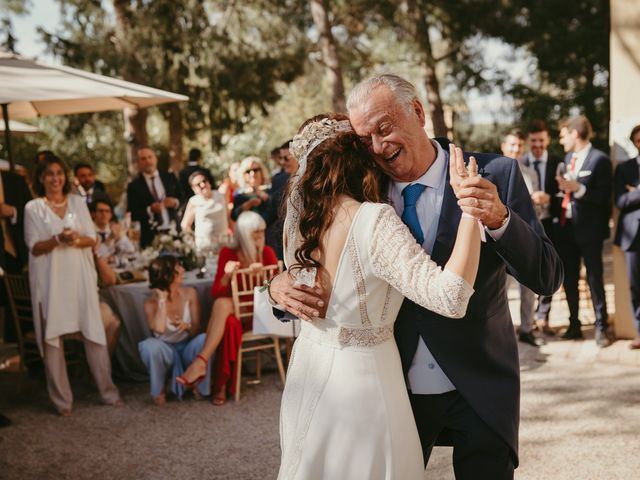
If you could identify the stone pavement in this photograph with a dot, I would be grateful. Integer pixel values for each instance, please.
(580, 417)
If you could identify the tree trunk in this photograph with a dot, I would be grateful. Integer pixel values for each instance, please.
(135, 131)
(329, 54)
(436, 111)
(176, 157)
(135, 120)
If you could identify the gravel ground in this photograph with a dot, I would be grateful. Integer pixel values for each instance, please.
(579, 421)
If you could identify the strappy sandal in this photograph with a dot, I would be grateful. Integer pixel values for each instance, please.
(183, 381)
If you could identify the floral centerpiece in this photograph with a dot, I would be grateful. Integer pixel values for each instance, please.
(172, 242)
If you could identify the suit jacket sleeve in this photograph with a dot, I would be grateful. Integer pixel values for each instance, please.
(625, 200)
(598, 184)
(135, 204)
(540, 269)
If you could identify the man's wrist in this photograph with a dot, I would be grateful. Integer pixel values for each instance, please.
(502, 223)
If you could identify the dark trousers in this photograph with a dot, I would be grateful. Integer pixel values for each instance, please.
(478, 452)
(13, 265)
(632, 259)
(544, 301)
(571, 250)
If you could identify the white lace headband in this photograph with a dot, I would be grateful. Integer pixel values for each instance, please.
(314, 134)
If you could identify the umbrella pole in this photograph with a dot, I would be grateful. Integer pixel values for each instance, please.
(7, 135)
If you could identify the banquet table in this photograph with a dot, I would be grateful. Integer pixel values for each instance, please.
(127, 301)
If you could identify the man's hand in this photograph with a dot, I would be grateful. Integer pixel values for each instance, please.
(541, 198)
(156, 207)
(170, 202)
(631, 188)
(567, 185)
(6, 210)
(479, 198)
(302, 301)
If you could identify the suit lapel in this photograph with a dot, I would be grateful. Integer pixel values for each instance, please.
(448, 223)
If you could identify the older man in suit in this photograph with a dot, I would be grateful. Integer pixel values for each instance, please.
(463, 376)
(627, 193)
(14, 195)
(153, 197)
(582, 222)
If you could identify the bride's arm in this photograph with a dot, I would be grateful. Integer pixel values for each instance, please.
(398, 259)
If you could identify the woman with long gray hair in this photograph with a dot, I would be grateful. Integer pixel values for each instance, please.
(225, 330)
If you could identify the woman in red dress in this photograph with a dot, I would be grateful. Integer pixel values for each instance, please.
(224, 332)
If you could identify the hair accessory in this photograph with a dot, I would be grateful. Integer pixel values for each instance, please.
(314, 134)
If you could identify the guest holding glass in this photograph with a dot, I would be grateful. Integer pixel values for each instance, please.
(60, 236)
(173, 315)
(253, 193)
(207, 209)
(224, 332)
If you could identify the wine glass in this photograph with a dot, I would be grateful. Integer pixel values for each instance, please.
(134, 233)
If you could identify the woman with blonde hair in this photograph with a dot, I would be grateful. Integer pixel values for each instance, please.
(254, 190)
(224, 332)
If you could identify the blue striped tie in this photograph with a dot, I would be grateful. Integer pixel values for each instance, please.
(411, 194)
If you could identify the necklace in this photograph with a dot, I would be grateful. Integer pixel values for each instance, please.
(56, 205)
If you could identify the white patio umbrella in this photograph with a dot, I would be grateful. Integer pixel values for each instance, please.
(19, 127)
(31, 89)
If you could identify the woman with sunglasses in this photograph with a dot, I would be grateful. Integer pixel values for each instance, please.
(208, 211)
(254, 189)
(173, 315)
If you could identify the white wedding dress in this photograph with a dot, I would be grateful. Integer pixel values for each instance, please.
(345, 412)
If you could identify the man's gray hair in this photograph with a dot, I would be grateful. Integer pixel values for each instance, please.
(404, 91)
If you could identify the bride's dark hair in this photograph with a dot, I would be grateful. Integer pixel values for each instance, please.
(340, 165)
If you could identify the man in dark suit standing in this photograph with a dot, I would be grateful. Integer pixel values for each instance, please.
(193, 165)
(279, 183)
(627, 193)
(463, 375)
(85, 183)
(582, 222)
(544, 165)
(14, 194)
(153, 197)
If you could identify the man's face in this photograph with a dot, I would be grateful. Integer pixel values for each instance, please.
(512, 147)
(568, 139)
(538, 143)
(636, 141)
(395, 136)
(147, 161)
(86, 177)
(102, 216)
(288, 161)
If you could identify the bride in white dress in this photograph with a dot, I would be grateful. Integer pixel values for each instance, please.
(345, 412)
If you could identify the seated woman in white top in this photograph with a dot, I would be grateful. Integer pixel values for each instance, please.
(208, 210)
(173, 315)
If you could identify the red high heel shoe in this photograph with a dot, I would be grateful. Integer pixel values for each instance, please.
(183, 381)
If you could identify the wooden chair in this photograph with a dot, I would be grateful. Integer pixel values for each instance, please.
(19, 296)
(242, 285)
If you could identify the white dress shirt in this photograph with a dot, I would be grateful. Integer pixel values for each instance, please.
(581, 156)
(157, 182)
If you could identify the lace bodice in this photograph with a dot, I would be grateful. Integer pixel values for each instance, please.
(380, 265)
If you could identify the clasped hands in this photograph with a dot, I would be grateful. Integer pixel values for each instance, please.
(567, 185)
(68, 237)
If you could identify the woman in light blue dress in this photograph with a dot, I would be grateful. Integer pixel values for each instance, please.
(173, 315)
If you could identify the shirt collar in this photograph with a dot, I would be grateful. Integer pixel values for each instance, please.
(582, 154)
(434, 175)
(544, 158)
(148, 176)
